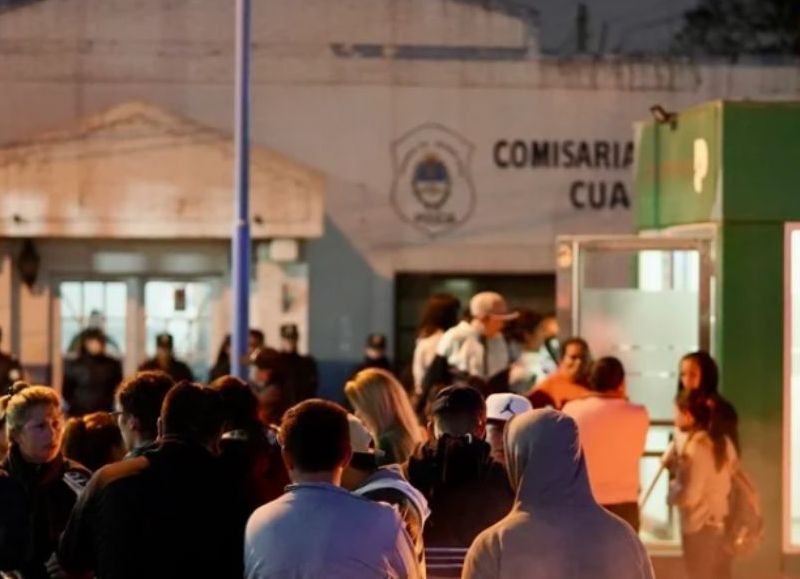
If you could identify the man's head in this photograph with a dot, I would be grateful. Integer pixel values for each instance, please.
(239, 403)
(267, 367)
(375, 347)
(500, 408)
(138, 403)
(164, 345)
(290, 336)
(255, 340)
(315, 441)
(489, 312)
(94, 341)
(364, 460)
(192, 413)
(575, 359)
(607, 376)
(458, 411)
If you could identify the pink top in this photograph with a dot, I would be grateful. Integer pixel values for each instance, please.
(613, 432)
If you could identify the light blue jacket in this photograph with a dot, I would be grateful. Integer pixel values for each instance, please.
(322, 531)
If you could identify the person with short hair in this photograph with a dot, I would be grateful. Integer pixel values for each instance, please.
(500, 408)
(249, 450)
(382, 403)
(556, 529)
(138, 406)
(570, 381)
(365, 478)
(38, 485)
(466, 489)
(318, 529)
(165, 360)
(171, 512)
(93, 440)
(613, 432)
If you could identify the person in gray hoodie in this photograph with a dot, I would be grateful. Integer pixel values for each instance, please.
(556, 530)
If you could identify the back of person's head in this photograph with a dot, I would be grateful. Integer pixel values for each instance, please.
(457, 411)
(383, 405)
(141, 396)
(22, 399)
(191, 412)
(709, 372)
(315, 434)
(239, 403)
(94, 440)
(526, 324)
(607, 374)
(441, 313)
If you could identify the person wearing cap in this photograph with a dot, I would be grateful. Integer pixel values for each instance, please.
(166, 361)
(302, 379)
(222, 365)
(476, 347)
(91, 378)
(613, 432)
(386, 484)
(374, 355)
(467, 491)
(268, 378)
(500, 408)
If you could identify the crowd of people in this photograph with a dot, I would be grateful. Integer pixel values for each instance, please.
(497, 454)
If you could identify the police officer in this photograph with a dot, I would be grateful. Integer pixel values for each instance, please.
(165, 361)
(301, 371)
(10, 369)
(91, 378)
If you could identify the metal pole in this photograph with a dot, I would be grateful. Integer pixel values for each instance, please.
(241, 234)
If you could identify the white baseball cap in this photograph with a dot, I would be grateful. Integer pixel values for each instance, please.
(360, 438)
(490, 304)
(506, 406)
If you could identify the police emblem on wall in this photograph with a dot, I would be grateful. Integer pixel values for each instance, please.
(432, 188)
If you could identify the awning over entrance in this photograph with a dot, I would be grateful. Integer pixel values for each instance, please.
(137, 171)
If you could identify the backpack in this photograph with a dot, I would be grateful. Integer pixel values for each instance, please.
(744, 526)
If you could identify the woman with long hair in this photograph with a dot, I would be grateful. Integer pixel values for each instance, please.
(381, 403)
(38, 486)
(699, 371)
(441, 313)
(701, 484)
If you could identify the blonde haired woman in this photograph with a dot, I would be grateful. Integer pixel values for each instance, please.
(382, 404)
(38, 486)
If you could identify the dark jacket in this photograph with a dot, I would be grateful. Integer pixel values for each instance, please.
(168, 513)
(301, 377)
(35, 503)
(253, 459)
(176, 369)
(10, 372)
(90, 382)
(467, 492)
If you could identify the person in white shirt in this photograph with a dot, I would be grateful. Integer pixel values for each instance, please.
(613, 432)
(441, 313)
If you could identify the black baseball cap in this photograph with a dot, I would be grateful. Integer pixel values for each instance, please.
(458, 399)
(289, 332)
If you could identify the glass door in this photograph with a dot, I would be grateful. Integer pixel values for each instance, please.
(646, 301)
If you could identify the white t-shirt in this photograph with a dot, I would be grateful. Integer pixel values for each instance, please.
(613, 432)
(462, 347)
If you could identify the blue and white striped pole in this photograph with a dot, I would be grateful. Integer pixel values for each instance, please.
(240, 277)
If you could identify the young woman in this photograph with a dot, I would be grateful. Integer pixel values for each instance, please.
(93, 440)
(441, 313)
(381, 403)
(38, 486)
(698, 371)
(702, 471)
